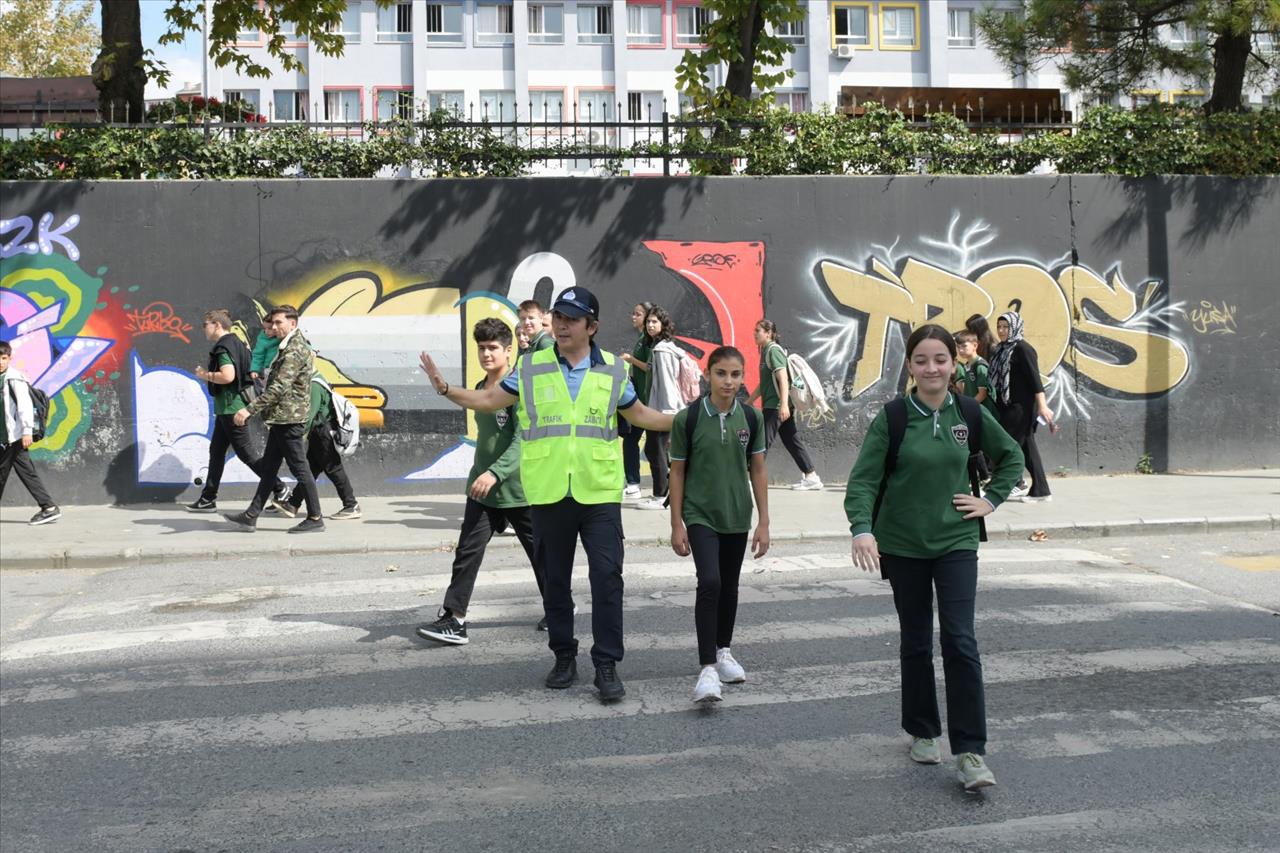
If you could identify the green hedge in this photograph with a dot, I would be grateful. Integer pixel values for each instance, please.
(1150, 141)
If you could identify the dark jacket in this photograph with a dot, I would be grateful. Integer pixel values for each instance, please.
(240, 359)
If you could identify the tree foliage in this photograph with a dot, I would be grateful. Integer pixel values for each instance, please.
(742, 37)
(1107, 47)
(47, 38)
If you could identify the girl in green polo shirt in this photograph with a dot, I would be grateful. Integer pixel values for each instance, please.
(924, 536)
(711, 509)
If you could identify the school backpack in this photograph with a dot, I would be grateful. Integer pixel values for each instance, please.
(39, 408)
(345, 419)
(691, 424)
(896, 414)
(689, 378)
(806, 394)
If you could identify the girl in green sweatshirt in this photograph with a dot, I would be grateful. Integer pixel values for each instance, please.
(923, 537)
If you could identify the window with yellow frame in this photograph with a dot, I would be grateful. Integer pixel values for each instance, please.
(851, 24)
(899, 26)
(1145, 97)
(1187, 97)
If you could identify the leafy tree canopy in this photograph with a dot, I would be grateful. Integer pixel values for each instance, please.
(47, 38)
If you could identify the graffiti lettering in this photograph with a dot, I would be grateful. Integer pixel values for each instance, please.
(1209, 319)
(714, 259)
(45, 236)
(158, 318)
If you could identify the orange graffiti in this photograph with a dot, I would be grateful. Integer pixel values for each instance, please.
(158, 318)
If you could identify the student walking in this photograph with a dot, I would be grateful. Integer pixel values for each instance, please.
(284, 405)
(664, 396)
(987, 340)
(638, 360)
(717, 463)
(913, 517)
(495, 497)
(17, 431)
(972, 379)
(229, 378)
(773, 391)
(571, 471)
(265, 347)
(323, 456)
(1020, 400)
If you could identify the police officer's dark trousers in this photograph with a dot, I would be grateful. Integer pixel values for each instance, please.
(556, 530)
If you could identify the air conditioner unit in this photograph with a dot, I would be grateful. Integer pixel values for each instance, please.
(844, 51)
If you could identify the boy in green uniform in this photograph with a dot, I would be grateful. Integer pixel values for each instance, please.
(533, 327)
(323, 456)
(264, 352)
(972, 380)
(495, 497)
(711, 510)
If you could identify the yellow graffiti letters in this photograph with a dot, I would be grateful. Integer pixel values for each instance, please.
(1209, 319)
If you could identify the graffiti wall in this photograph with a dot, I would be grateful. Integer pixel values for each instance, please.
(1150, 303)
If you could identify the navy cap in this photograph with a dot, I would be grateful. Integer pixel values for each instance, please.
(577, 302)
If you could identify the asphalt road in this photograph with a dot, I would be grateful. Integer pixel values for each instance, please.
(1133, 693)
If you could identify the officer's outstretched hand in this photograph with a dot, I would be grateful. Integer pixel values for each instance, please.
(433, 373)
(680, 539)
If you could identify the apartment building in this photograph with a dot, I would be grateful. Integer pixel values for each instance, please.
(567, 60)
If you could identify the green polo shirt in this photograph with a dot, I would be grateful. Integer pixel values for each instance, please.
(970, 380)
(642, 351)
(773, 358)
(717, 489)
(228, 400)
(917, 518)
(498, 451)
(320, 407)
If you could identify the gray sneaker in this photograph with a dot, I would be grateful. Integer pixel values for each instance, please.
(973, 772)
(924, 750)
(347, 512)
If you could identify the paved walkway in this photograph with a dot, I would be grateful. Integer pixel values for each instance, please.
(1083, 507)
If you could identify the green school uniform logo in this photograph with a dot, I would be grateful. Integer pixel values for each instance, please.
(501, 417)
(961, 433)
(744, 435)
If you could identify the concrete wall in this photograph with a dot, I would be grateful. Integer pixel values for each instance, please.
(1152, 303)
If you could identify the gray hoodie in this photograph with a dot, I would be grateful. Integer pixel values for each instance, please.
(22, 420)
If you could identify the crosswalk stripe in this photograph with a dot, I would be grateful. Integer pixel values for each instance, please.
(646, 696)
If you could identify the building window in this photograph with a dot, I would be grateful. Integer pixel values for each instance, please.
(546, 23)
(1145, 98)
(796, 102)
(546, 105)
(493, 23)
(395, 103)
(444, 23)
(498, 105)
(290, 105)
(960, 31)
(248, 35)
(288, 30)
(349, 29)
(342, 105)
(791, 32)
(897, 26)
(645, 106)
(852, 25)
(595, 23)
(644, 24)
(691, 25)
(249, 96)
(1186, 99)
(395, 23)
(454, 102)
(595, 106)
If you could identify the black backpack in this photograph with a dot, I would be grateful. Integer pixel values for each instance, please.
(691, 424)
(40, 406)
(896, 414)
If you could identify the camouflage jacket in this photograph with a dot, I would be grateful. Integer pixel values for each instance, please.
(287, 398)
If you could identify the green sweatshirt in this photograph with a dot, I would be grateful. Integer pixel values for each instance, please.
(264, 352)
(498, 451)
(917, 518)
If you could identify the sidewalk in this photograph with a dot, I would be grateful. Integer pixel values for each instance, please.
(1082, 507)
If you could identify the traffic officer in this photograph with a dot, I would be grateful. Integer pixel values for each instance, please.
(571, 466)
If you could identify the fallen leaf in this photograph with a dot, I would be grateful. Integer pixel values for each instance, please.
(1038, 536)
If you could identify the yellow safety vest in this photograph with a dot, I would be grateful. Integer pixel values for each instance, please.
(570, 446)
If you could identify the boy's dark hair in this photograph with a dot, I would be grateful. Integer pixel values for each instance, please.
(531, 305)
(668, 325)
(219, 316)
(965, 335)
(288, 311)
(492, 329)
(719, 354)
(5, 348)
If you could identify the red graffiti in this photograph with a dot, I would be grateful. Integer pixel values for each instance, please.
(734, 289)
(158, 318)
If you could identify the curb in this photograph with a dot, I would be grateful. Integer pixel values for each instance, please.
(1055, 531)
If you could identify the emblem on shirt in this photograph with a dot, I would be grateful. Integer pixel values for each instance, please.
(501, 417)
(744, 435)
(961, 433)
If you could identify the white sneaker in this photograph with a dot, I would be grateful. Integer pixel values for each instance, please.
(729, 670)
(1040, 500)
(652, 504)
(1019, 492)
(708, 686)
(808, 483)
(973, 772)
(631, 492)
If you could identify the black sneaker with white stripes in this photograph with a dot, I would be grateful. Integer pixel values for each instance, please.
(446, 629)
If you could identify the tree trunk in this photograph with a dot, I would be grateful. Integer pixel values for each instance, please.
(1230, 55)
(117, 72)
(738, 77)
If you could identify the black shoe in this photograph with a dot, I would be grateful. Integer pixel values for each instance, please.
(608, 683)
(564, 673)
(446, 629)
(47, 515)
(542, 624)
(203, 505)
(243, 520)
(308, 525)
(282, 492)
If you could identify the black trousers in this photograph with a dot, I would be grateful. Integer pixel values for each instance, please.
(955, 577)
(718, 560)
(323, 456)
(774, 427)
(284, 444)
(15, 457)
(556, 530)
(630, 451)
(655, 450)
(479, 524)
(227, 434)
(1019, 420)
